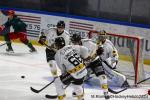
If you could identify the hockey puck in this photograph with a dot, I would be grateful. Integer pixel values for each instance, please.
(149, 92)
(22, 76)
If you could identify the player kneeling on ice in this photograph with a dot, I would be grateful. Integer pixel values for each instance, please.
(109, 60)
(109, 57)
(20, 31)
(72, 68)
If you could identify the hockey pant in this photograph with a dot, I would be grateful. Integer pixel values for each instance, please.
(114, 78)
(17, 35)
(66, 79)
(97, 69)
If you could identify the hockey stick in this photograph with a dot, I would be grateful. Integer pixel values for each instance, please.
(116, 92)
(37, 91)
(109, 89)
(49, 47)
(53, 96)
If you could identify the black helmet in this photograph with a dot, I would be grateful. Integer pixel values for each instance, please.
(75, 38)
(59, 42)
(61, 24)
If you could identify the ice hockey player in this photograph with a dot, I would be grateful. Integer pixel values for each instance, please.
(20, 31)
(95, 65)
(50, 36)
(70, 62)
(76, 40)
(109, 61)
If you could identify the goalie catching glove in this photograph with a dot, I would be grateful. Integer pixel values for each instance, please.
(42, 39)
(100, 50)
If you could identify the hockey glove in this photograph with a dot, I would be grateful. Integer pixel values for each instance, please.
(2, 27)
(42, 39)
(100, 50)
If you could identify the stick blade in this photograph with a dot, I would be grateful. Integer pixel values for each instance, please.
(116, 92)
(34, 90)
(51, 96)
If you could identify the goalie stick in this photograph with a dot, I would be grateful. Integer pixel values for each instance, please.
(109, 89)
(116, 92)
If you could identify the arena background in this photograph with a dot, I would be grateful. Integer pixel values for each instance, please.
(115, 16)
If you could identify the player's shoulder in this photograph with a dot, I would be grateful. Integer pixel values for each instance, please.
(108, 42)
(80, 47)
(65, 49)
(66, 32)
(86, 40)
(52, 29)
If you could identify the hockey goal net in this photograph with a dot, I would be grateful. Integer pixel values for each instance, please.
(130, 49)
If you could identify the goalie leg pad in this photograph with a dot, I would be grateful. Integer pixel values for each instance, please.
(116, 78)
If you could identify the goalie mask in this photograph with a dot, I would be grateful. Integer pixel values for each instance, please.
(59, 42)
(102, 36)
(75, 38)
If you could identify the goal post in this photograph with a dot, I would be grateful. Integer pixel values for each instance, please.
(130, 48)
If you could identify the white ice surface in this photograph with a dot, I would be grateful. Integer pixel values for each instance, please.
(37, 74)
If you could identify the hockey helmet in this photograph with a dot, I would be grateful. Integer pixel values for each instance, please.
(10, 12)
(60, 24)
(75, 38)
(59, 42)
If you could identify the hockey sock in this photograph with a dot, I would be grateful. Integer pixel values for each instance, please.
(104, 85)
(103, 81)
(59, 89)
(30, 46)
(53, 67)
(8, 41)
